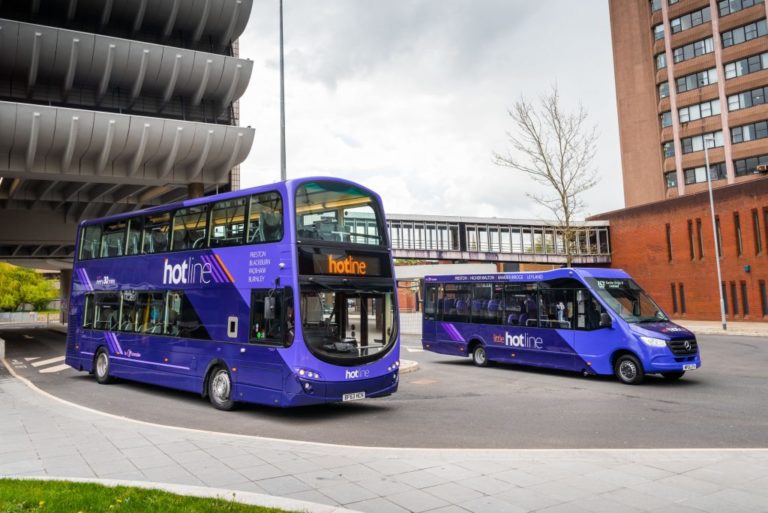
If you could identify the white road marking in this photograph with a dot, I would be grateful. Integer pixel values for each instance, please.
(48, 361)
(58, 368)
(32, 359)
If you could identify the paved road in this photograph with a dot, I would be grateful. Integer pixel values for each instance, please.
(450, 403)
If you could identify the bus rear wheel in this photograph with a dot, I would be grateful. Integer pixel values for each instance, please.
(628, 370)
(101, 367)
(220, 389)
(479, 356)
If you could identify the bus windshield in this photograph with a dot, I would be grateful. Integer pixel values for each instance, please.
(337, 212)
(626, 298)
(348, 326)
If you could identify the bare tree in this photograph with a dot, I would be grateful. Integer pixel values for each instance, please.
(555, 148)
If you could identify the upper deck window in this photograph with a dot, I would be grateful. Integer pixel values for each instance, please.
(337, 212)
(265, 223)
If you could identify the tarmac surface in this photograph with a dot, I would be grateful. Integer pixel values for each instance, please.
(43, 436)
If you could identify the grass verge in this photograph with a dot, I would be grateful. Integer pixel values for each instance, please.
(24, 496)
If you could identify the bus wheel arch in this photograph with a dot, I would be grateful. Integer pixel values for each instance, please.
(217, 362)
(101, 366)
(627, 367)
(476, 351)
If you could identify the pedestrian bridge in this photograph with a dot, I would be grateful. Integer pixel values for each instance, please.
(475, 239)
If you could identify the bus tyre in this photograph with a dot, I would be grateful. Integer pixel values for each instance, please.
(671, 376)
(628, 370)
(479, 356)
(101, 367)
(220, 389)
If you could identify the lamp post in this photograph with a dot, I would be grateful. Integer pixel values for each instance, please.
(707, 141)
(282, 101)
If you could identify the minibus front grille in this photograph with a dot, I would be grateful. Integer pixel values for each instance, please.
(683, 347)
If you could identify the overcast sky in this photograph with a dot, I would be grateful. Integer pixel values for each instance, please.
(410, 97)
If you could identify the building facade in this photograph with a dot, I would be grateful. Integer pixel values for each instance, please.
(689, 73)
(670, 248)
(108, 106)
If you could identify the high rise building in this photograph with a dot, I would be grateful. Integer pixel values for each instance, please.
(688, 71)
(107, 106)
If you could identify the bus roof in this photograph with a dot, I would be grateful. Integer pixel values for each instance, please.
(289, 185)
(581, 272)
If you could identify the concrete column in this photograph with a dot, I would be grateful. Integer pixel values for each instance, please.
(65, 286)
(195, 190)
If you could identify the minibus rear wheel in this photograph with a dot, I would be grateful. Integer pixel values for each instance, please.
(479, 356)
(628, 370)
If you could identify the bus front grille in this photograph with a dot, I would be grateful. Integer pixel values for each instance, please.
(683, 347)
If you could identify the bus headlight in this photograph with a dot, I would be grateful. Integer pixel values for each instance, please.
(654, 342)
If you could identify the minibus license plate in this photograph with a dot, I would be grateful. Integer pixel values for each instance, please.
(690, 366)
(355, 396)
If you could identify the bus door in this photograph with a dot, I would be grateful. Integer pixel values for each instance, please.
(549, 334)
(430, 311)
(593, 342)
(451, 329)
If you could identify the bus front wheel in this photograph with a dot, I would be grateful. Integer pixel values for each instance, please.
(628, 370)
(220, 389)
(479, 356)
(101, 367)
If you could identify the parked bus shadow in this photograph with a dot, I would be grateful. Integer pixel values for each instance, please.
(654, 380)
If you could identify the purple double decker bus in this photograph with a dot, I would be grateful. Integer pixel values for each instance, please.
(281, 295)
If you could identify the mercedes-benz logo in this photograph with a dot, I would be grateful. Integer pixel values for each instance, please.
(687, 345)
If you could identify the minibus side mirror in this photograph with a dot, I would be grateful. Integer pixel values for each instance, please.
(605, 320)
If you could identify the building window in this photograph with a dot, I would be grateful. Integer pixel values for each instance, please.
(693, 50)
(699, 239)
(663, 89)
(699, 174)
(744, 299)
(731, 6)
(719, 238)
(690, 20)
(725, 297)
(696, 143)
(746, 66)
(661, 61)
(748, 99)
(682, 298)
(655, 5)
(668, 230)
(763, 298)
(750, 132)
(698, 111)
(737, 229)
(690, 238)
(668, 148)
(671, 179)
(658, 32)
(696, 80)
(756, 231)
(666, 119)
(749, 165)
(734, 299)
(745, 33)
(674, 299)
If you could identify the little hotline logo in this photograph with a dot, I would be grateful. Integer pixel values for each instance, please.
(187, 272)
(523, 341)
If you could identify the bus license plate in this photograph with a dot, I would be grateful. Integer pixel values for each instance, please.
(355, 396)
(690, 366)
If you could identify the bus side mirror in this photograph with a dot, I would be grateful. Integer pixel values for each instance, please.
(605, 320)
(269, 307)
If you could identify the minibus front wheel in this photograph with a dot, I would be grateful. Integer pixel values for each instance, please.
(628, 369)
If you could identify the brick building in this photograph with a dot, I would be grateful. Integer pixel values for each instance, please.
(668, 246)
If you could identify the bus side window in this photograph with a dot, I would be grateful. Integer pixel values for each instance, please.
(113, 239)
(267, 317)
(106, 311)
(265, 222)
(588, 311)
(228, 222)
(190, 228)
(556, 308)
(156, 233)
(133, 241)
(88, 311)
(90, 243)
(430, 302)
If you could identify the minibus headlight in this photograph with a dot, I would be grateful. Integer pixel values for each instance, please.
(654, 342)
